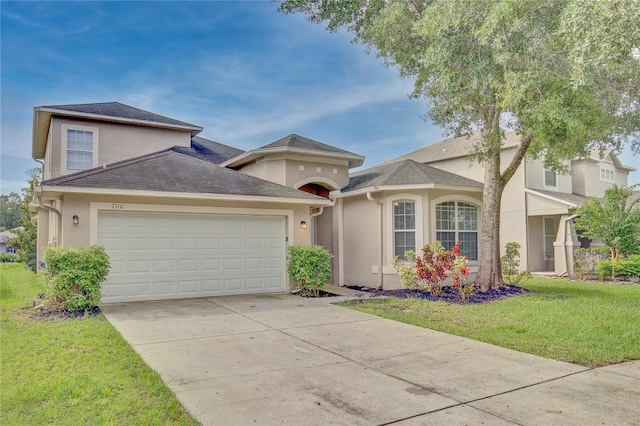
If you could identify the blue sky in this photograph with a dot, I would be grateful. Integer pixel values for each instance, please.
(246, 73)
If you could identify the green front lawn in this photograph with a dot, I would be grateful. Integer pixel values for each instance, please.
(584, 323)
(74, 371)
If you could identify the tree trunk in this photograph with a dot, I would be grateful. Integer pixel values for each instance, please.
(489, 271)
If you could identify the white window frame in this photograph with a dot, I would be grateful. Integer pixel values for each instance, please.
(462, 199)
(544, 179)
(604, 174)
(546, 234)
(390, 225)
(94, 156)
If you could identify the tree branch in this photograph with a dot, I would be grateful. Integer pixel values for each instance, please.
(525, 141)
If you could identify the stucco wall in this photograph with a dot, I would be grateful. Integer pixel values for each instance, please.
(535, 177)
(513, 207)
(115, 142)
(295, 171)
(362, 226)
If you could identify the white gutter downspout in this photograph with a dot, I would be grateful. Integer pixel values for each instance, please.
(380, 237)
(318, 213)
(57, 212)
(315, 231)
(567, 231)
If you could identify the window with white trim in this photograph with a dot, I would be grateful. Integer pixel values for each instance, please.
(79, 149)
(458, 221)
(607, 175)
(404, 226)
(550, 230)
(550, 178)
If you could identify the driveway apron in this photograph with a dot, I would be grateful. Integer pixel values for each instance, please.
(283, 359)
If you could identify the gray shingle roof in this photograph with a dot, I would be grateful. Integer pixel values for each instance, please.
(451, 148)
(406, 172)
(300, 142)
(296, 144)
(173, 171)
(116, 109)
(214, 151)
(576, 199)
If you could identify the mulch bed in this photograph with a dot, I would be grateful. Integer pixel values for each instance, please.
(321, 293)
(50, 313)
(449, 294)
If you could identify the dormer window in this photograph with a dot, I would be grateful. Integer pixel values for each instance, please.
(79, 147)
(607, 175)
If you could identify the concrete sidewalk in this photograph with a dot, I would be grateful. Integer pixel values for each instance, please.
(288, 360)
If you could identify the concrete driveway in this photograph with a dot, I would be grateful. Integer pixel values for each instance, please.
(288, 360)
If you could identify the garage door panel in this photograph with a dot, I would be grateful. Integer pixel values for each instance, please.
(273, 282)
(138, 266)
(160, 256)
(189, 287)
(164, 288)
(163, 266)
(232, 243)
(232, 284)
(211, 243)
(211, 286)
(188, 243)
(163, 244)
(211, 265)
(233, 264)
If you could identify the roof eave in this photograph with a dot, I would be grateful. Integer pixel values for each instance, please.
(55, 191)
(550, 198)
(363, 191)
(354, 160)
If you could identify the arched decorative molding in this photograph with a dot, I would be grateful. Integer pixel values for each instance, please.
(331, 185)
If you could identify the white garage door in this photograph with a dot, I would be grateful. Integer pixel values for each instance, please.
(165, 256)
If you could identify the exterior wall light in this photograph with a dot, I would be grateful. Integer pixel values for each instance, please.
(76, 219)
(303, 224)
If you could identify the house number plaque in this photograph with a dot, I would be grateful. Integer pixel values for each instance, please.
(117, 206)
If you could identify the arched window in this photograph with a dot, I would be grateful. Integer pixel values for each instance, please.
(458, 221)
(404, 226)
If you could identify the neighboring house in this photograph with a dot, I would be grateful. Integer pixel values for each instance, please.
(538, 205)
(183, 216)
(5, 236)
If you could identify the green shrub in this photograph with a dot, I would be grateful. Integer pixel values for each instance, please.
(626, 267)
(74, 275)
(585, 261)
(9, 258)
(406, 270)
(309, 267)
(510, 262)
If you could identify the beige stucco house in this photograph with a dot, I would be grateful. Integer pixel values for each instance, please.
(183, 216)
(538, 205)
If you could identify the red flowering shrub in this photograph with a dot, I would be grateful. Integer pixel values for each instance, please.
(437, 265)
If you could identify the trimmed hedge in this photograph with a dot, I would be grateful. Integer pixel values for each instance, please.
(627, 267)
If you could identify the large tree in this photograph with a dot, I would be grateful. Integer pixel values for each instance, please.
(563, 74)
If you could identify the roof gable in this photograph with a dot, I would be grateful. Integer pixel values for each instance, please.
(406, 173)
(296, 144)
